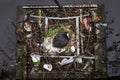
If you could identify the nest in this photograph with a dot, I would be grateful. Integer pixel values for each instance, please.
(69, 45)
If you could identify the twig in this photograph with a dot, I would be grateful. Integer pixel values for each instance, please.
(86, 65)
(58, 67)
(88, 40)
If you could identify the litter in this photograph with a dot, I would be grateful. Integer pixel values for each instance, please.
(86, 23)
(66, 61)
(72, 49)
(79, 60)
(35, 59)
(27, 27)
(47, 67)
(29, 35)
(101, 24)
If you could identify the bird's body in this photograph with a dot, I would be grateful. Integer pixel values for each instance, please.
(61, 40)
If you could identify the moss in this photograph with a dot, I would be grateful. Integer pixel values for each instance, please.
(36, 63)
(54, 30)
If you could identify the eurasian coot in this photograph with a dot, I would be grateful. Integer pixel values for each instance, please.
(61, 39)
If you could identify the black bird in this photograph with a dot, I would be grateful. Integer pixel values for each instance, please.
(61, 39)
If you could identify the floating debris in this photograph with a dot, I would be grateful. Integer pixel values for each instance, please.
(35, 59)
(29, 35)
(27, 27)
(66, 61)
(86, 23)
(47, 67)
(72, 49)
(101, 24)
(79, 60)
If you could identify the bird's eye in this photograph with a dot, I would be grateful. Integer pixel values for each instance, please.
(68, 35)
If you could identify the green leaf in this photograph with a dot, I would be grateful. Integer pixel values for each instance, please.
(54, 30)
(36, 63)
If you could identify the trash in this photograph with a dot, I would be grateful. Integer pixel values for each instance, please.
(29, 35)
(47, 67)
(35, 59)
(101, 24)
(27, 27)
(49, 46)
(66, 61)
(47, 42)
(86, 23)
(41, 45)
(72, 49)
(79, 60)
(70, 60)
